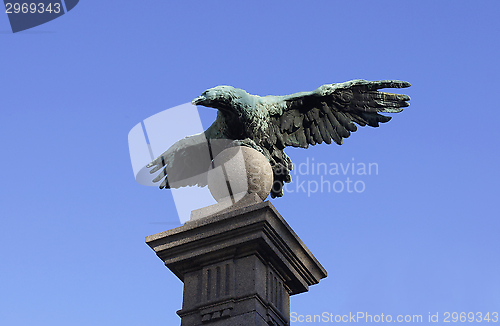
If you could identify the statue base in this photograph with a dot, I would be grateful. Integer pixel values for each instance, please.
(239, 266)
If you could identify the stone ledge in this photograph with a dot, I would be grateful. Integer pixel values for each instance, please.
(258, 227)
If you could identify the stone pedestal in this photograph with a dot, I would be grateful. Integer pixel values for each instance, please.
(239, 267)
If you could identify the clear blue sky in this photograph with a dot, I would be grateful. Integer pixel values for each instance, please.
(423, 236)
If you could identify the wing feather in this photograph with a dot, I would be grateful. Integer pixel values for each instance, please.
(333, 134)
(301, 138)
(324, 133)
(332, 111)
(309, 137)
(315, 133)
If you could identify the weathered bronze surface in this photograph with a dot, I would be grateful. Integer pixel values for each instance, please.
(271, 123)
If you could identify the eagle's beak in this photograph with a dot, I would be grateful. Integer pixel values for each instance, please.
(198, 100)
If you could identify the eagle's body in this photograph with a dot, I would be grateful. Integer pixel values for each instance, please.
(271, 123)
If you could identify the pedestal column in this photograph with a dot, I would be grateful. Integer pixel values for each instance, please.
(239, 267)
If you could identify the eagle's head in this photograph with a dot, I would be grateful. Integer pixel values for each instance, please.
(225, 98)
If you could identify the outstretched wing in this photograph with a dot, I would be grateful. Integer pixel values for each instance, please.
(329, 112)
(184, 164)
(187, 162)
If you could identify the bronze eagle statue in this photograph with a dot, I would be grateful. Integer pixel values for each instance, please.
(271, 123)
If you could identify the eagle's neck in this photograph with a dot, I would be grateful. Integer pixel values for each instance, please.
(234, 122)
(236, 111)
